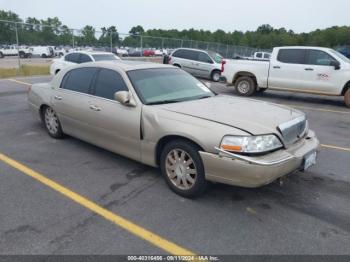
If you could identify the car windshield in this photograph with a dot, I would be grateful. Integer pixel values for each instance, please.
(104, 57)
(340, 56)
(167, 85)
(216, 57)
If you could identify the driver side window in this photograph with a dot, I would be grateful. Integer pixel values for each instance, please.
(108, 82)
(317, 57)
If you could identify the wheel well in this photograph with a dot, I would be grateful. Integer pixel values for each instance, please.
(41, 110)
(164, 140)
(240, 74)
(215, 70)
(345, 88)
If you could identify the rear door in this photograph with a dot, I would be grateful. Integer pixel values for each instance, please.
(287, 68)
(116, 126)
(318, 74)
(72, 102)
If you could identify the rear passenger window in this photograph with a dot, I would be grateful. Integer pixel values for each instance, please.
(84, 58)
(73, 57)
(79, 80)
(316, 57)
(108, 82)
(259, 55)
(190, 55)
(291, 56)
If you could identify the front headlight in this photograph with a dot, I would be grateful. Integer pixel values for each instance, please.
(250, 144)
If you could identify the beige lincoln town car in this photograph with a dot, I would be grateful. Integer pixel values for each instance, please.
(162, 116)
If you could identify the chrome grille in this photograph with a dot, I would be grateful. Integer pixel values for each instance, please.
(293, 130)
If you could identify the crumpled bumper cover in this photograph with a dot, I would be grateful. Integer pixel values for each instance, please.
(228, 170)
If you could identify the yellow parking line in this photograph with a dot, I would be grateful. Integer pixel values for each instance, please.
(336, 147)
(129, 226)
(19, 82)
(318, 109)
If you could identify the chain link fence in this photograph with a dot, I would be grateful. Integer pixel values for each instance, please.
(26, 42)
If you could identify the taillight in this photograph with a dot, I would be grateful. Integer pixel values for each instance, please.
(223, 62)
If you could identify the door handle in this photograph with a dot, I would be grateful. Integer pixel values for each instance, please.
(58, 97)
(276, 67)
(309, 69)
(95, 108)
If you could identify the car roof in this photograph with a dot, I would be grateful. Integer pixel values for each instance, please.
(304, 47)
(124, 65)
(92, 52)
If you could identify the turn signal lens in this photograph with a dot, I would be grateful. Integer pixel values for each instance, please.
(231, 148)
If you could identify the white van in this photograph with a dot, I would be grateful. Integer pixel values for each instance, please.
(42, 51)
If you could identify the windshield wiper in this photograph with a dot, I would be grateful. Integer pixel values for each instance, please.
(164, 102)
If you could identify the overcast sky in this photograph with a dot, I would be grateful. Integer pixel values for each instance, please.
(229, 15)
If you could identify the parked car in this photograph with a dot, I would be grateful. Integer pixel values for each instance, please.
(164, 117)
(197, 62)
(60, 51)
(158, 52)
(262, 56)
(148, 52)
(122, 52)
(12, 50)
(134, 53)
(313, 70)
(42, 51)
(79, 58)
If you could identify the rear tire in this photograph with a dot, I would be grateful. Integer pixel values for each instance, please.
(347, 97)
(22, 55)
(44, 56)
(245, 86)
(215, 76)
(182, 168)
(52, 123)
(1, 55)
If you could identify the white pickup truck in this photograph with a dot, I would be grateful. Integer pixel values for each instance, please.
(313, 70)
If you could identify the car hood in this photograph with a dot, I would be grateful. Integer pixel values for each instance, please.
(252, 116)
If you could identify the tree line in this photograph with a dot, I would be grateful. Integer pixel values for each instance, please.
(52, 31)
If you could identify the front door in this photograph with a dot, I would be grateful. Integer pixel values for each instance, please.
(116, 127)
(318, 74)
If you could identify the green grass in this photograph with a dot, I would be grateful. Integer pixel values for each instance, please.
(25, 70)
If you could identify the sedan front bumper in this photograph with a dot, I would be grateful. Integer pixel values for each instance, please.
(257, 171)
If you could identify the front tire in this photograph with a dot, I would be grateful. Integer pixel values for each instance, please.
(347, 97)
(52, 123)
(182, 168)
(245, 86)
(215, 76)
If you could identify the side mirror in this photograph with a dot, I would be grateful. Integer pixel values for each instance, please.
(125, 98)
(335, 64)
